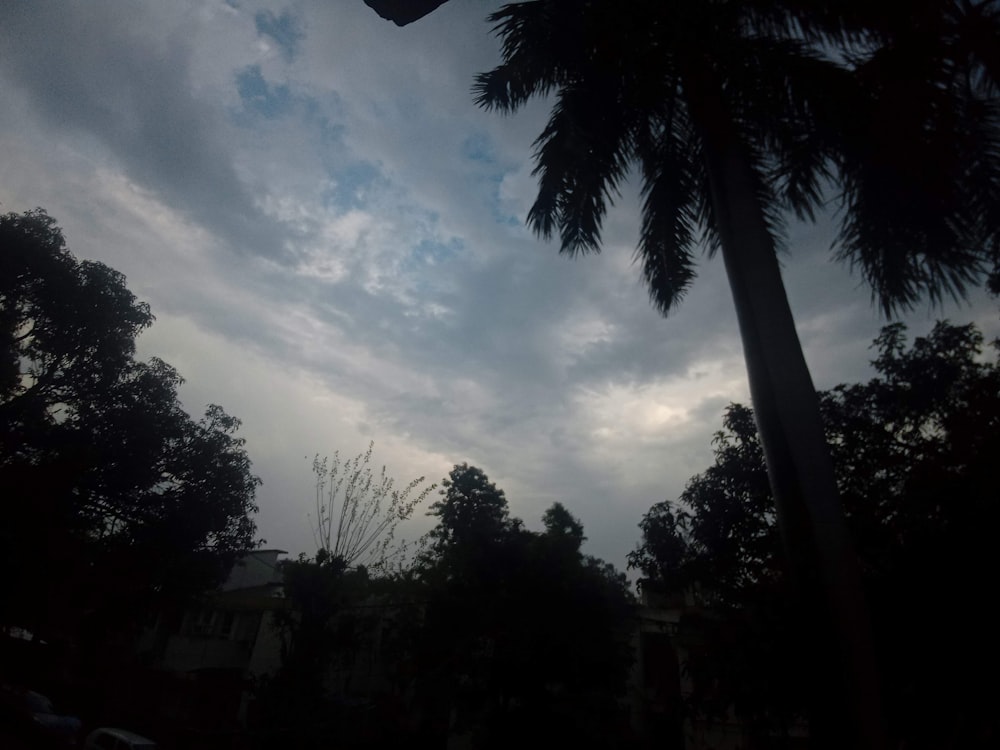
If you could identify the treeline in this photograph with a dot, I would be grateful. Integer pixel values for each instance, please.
(497, 633)
(493, 634)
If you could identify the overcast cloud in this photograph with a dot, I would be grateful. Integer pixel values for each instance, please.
(332, 238)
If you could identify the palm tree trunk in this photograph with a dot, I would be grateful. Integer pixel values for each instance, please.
(823, 565)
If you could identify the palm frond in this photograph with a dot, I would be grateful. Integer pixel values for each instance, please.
(844, 24)
(670, 215)
(897, 109)
(787, 97)
(582, 156)
(910, 238)
(919, 174)
(981, 136)
(532, 41)
(507, 87)
(977, 29)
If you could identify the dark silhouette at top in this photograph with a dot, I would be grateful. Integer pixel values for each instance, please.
(403, 12)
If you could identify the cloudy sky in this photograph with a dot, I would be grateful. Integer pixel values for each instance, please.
(332, 238)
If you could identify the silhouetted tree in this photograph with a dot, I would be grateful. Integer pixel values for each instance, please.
(524, 635)
(472, 513)
(124, 497)
(914, 450)
(560, 524)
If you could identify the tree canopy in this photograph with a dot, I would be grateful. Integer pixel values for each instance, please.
(524, 634)
(494, 634)
(472, 512)
(914, 449)
(123, 494)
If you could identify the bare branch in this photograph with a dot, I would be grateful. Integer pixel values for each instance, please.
(367, 508)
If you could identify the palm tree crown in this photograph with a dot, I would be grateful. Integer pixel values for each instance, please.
(852, 100)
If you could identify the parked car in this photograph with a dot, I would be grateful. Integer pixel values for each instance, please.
(33, 717)
(108, 738)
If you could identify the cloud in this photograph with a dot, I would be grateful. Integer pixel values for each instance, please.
(331, 235)
(283, 30)
(261, 97)
(123, 82)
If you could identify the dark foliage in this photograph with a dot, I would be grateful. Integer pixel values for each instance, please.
(897, 110)
(495, 634)
(915, 449)
(114, 492)
(524, 635)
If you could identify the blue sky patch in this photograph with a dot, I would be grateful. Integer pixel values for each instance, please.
(260, 96)
(478, 147)
(352, 183)
(283, 30)
(432, 252)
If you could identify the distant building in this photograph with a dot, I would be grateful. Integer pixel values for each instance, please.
(212, 653)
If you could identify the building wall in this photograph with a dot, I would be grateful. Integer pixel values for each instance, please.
(257, 568)
(218, 648)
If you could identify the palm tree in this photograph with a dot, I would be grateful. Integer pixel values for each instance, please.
(733, 112)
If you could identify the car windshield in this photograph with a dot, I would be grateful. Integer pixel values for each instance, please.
(38, 704)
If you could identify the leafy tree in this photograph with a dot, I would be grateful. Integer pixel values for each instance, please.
(524, 635)
(914, 450)
(460, 570)
(59, 347)
(472, 513)
(123, 493)
(559, 523)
